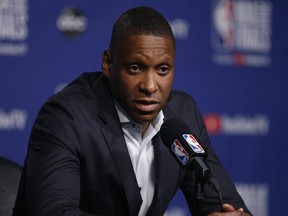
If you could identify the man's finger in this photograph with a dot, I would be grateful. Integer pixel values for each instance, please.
(227, 207)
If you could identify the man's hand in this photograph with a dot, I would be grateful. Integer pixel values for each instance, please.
(229, 210)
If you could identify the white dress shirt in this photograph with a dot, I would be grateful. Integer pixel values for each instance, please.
(141, 152)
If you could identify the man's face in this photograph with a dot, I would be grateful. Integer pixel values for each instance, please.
(140, 73)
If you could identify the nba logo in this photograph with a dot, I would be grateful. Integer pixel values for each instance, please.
(224, 25)
(193, 143)
(180, 152)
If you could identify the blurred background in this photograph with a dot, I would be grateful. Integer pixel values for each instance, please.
(231, 57)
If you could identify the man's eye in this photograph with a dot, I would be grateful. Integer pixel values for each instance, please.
(163, 70)
(134, 69)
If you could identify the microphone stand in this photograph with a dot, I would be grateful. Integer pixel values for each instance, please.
(199, 192)
(199, 198)
(203, 176)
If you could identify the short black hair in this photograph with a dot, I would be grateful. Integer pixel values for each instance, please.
(141, 21)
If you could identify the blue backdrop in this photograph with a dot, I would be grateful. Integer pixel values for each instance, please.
(231, 56)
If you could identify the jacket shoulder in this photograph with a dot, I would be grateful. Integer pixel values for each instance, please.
(183, 106)
(181, 101)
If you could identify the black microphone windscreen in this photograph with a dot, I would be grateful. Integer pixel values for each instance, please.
(171, 129)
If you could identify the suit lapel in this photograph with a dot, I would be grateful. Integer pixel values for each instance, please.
(121, 158)
(167, 174)
(112, 132)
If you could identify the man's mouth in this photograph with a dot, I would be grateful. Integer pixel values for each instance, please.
(146, 105)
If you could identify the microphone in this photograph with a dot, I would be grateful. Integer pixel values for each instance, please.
(184, 146)
(187, 151)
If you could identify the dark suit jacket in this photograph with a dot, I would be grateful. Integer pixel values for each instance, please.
(78, 163)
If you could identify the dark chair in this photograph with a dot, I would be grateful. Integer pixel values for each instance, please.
(10, 174)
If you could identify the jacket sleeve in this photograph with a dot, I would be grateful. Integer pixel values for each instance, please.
(187, 109)
(53, 177)
(50, 183)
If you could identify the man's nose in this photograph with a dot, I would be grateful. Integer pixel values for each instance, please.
(149, 83)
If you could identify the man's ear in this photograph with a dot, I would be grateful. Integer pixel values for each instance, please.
(106, 62)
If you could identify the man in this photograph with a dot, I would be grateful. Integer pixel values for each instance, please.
(95, 147)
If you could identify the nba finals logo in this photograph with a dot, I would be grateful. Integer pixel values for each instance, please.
(241, 32)
(13, 27)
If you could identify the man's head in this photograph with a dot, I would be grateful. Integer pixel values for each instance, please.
(140, 63)
(140, 21)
